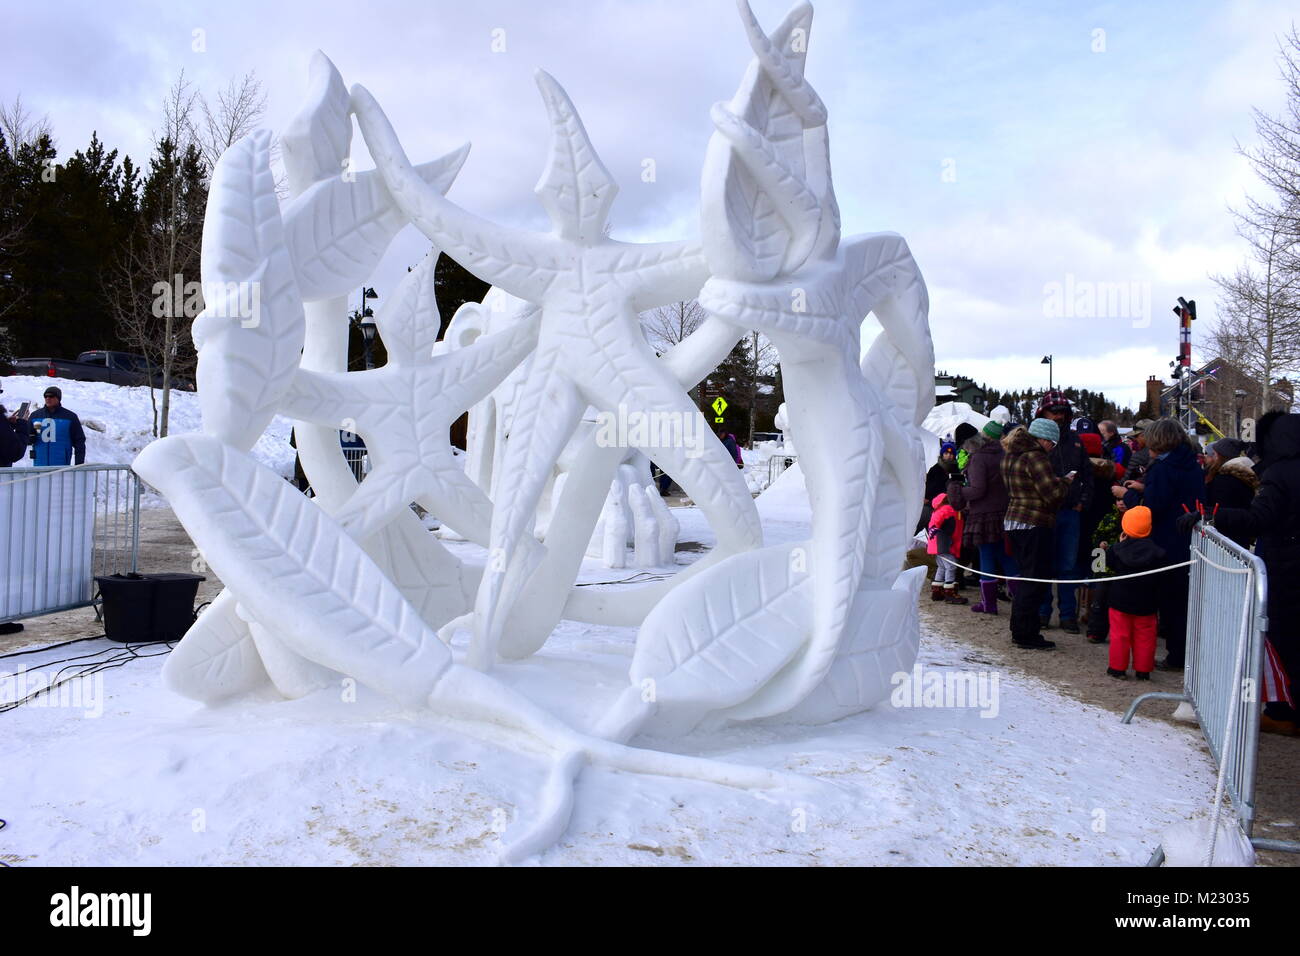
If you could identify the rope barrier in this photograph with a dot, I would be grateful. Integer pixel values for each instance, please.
(1114, 577)
(1221, 567)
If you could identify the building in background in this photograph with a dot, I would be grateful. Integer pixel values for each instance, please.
(958, 388)
(1221, 393)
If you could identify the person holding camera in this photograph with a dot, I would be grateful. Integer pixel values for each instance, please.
(15, 436)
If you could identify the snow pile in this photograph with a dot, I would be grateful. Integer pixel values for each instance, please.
(786, 500)
(118, 421)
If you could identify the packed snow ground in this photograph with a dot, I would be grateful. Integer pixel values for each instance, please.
(135, 775)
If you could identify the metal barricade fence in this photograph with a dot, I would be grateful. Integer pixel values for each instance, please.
(356, 461)
(59, 529)
(1227, 609)
(777, 464)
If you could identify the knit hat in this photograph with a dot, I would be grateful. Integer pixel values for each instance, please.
(55, 392)
(1137, 522)
(1045, 428)
(1084, 425)
(964, 431)
(947, 447)
(1055, 398)
(1228, 448)
(1091, 443)
(992, 430)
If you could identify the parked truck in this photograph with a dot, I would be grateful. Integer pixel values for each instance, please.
(116, 368)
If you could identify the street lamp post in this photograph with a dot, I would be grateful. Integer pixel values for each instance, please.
(367, 328)
(1047, 360)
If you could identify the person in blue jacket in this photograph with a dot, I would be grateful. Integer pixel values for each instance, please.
(1171, 488)
(57, 436)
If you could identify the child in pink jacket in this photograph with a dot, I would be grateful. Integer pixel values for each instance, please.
(944, 532)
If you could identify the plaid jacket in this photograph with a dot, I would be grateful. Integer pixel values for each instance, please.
(1034, 491)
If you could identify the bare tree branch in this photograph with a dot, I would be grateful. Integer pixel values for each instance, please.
(1259, 304)
(667, 325)
(238, 108)
(20, 127)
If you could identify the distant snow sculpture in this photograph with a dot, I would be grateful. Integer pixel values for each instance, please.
(350, 585)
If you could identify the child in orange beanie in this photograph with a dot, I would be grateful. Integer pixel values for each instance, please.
(1133, 602)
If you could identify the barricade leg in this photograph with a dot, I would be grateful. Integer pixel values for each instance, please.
(1132, 708)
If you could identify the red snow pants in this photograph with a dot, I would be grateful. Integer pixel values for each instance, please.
(1135, 633)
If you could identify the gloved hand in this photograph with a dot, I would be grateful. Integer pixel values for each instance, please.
(1187, 522)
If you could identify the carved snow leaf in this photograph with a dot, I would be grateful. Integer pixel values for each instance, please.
(790, 197)
(890, 528)
(887, 282)
(217, 658)
(576, 189)
(886, 368)
(408, 322)
(315, 144)
(882, 642)
(718, 637)
(291, 564)
(250, 333)
(752, 240)
(338, 230)
(429, 576)
(785, 70)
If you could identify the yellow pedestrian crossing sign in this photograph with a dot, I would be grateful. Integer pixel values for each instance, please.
(719, 406)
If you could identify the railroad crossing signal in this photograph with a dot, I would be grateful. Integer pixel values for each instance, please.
(719, 406)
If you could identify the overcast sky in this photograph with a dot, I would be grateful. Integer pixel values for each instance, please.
(1033, 154)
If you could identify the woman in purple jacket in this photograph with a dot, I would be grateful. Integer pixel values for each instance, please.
(985, 496)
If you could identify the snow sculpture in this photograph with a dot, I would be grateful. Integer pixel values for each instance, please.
(782, 423)
(350, 585)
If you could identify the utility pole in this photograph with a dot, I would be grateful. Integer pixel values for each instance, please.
(1186, 312)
